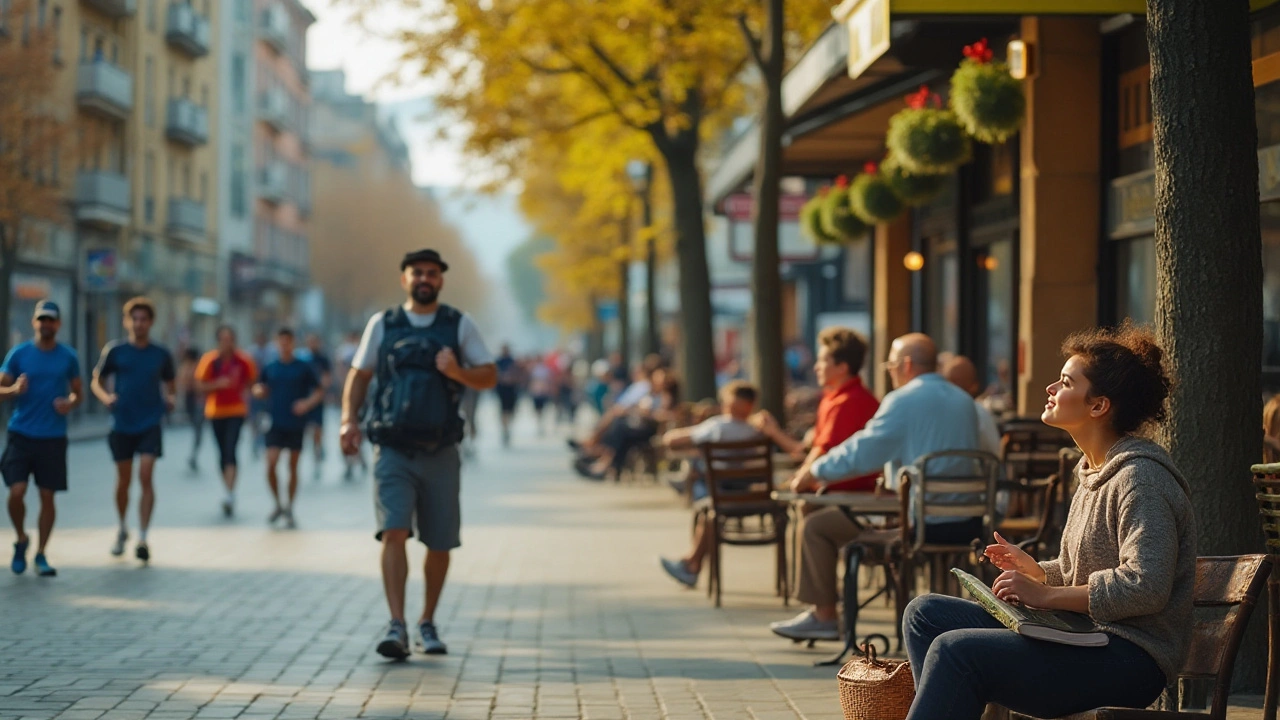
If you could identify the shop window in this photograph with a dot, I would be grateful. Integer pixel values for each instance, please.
(1136, 279)
(1135, 107)
(942, 293)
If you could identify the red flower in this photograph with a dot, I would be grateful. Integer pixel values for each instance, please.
(870, 168)
(842, 182)
(979, 52)
(919, 99)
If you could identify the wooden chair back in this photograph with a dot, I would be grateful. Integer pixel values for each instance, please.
(952, 484)
(738, 473)
(1266, 483)
(1230, 583)
(1029, 448)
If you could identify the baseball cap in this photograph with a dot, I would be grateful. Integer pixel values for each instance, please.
(424, 255)
(47, 309)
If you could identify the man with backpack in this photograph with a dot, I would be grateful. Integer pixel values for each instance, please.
(424, 354)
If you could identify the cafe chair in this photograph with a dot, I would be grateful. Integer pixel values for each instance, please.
(1225, 592)
(1266, 483)
(739, 478)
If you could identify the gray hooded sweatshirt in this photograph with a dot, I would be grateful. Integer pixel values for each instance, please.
(1130, 537)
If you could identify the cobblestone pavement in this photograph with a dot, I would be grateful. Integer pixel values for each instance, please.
(555, 607)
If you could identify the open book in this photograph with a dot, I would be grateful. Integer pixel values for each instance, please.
(1058, 626)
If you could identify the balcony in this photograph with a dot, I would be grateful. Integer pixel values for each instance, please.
(187, 123)
(186, 220)
(274, 29)
(273, 184)
(114, 8)
(104, 88)
(187, 30)
(273, 109)
(102, 199)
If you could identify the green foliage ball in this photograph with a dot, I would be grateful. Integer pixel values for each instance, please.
(872, 200)
(988, 101)
(912, 188)
(837, 218)
(928, 141)
(811, 221)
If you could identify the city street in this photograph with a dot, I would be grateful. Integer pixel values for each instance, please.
(555, 607)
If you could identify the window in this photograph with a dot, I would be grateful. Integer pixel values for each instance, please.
(149, 90)
(239, 202)
(149, 187)
(238, 90)
(1135, 107)
(1136, 279)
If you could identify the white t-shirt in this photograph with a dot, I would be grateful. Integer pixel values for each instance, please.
(723, 429)
(473, 350)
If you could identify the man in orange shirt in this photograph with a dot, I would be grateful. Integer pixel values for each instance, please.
(226, 374)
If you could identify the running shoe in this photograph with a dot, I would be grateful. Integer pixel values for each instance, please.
(228, 508)
(289, 524)
(121, 538)
(279, 513)
(429, 639)
(43, 568)
(19, 564)
(807, 626)
(395, 644)
(143, 553)
(679, 571)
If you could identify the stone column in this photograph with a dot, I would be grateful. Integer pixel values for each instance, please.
(1060, 197)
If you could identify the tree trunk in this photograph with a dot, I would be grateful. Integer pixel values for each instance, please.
(766, 284)
(698, 356)
(8, 259)
(653, 342)
(624, 309)
(1208, 269)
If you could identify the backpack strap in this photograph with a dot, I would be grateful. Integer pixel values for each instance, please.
(391, 318)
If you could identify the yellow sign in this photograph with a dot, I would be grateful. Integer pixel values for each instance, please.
(1031, 7)
(868, 25)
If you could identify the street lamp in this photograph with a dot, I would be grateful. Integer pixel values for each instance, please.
(640, 173)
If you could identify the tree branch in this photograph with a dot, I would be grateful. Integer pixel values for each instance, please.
(753, 43)
(609, 62)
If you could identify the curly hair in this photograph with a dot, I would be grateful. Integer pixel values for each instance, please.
(846, 346)
(1126, 366)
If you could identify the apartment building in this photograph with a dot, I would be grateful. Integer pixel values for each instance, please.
(265, 252)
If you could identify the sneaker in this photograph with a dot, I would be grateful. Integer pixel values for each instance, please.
(43, 568)
(228, 508)
(585, 467)
(121, 538)
(680, 571)
(142, 552)
(279, 513)
(395, 644)
(429, 639)
(289, 524)
(19, 564)
(807, 626)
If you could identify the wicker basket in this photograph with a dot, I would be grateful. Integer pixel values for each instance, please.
(872, 689)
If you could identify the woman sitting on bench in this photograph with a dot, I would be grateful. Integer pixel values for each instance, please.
(1128, 560)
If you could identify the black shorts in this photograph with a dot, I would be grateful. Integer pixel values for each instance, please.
(126, 445)
(507, 396)
(287, 439)
(45, 459)
(227, 433)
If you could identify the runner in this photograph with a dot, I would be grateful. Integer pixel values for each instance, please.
(225, 374)
(262, 354)
(42, 376)
(138, 405)
(423, 354)
(508, 390)
(291, 390)
(323, 368)
(347, 353)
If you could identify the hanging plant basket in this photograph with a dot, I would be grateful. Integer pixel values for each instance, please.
(927, 140)
(912, 188)
(872, 199)
(811, 219)
(836, 215)
(988, 101)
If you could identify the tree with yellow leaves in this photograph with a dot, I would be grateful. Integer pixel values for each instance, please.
(32, 138)
(519, 70)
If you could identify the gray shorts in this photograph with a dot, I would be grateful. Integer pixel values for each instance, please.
(419, 485)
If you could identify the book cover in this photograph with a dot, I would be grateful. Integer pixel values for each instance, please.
(1058, 626)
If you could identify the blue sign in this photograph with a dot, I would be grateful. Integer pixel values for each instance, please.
(607, 310)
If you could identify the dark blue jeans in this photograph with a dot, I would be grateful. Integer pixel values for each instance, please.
(962, 659)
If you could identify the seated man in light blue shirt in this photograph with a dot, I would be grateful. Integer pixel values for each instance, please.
(924, 414)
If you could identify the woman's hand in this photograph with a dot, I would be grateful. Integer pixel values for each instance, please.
(1009, 557)
(1015, 587)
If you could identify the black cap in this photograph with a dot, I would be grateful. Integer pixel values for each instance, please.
(418, 256)
(47, 309)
